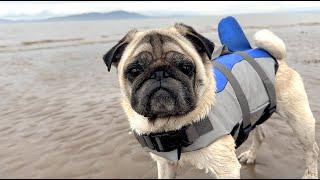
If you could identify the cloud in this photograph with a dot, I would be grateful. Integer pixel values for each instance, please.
(34, 9)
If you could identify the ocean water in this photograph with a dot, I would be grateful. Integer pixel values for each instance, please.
(26, 36)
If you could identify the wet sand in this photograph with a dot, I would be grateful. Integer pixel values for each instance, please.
(60, 115)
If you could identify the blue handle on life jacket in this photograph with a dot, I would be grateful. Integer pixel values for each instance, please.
(232, 35)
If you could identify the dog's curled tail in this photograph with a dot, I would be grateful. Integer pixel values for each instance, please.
(268, 41)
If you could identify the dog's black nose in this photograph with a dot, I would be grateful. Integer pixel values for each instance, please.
(159, 75)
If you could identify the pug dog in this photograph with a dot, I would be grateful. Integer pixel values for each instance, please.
(166, 81)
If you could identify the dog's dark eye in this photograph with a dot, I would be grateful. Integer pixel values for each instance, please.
(134, 72)
(187, 68)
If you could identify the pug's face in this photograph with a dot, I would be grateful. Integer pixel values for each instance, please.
(160, 70)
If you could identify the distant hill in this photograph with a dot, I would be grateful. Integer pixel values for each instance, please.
(99, 16)
(4, 21)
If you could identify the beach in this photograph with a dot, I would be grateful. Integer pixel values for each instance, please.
(60, 111)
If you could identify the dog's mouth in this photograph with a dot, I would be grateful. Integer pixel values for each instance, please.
(161, 102)
(155, 99)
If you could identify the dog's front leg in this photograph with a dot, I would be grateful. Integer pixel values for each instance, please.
(219, 159)
(166, 169)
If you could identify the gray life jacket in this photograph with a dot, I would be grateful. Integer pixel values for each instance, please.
(245, 97)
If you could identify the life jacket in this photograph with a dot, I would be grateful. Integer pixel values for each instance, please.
(245, 97)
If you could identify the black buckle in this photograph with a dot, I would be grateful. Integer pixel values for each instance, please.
(175, 140)
(165, 142)
(273, 109)
(149, 142)
(169, 141)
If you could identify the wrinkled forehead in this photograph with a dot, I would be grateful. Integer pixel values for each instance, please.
(157, 45)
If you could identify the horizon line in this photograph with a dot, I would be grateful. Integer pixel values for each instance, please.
(165, 14)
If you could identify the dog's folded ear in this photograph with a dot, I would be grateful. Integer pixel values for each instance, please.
(113, 56)
(201, 43)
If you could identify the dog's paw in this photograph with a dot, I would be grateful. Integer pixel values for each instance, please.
(310, 175)
(247, 157)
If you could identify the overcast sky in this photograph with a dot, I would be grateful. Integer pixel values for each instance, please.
(45, 9)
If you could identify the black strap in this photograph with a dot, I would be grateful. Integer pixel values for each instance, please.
(172, 140)
(241, 134)
(263, 76)
(242, 99)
